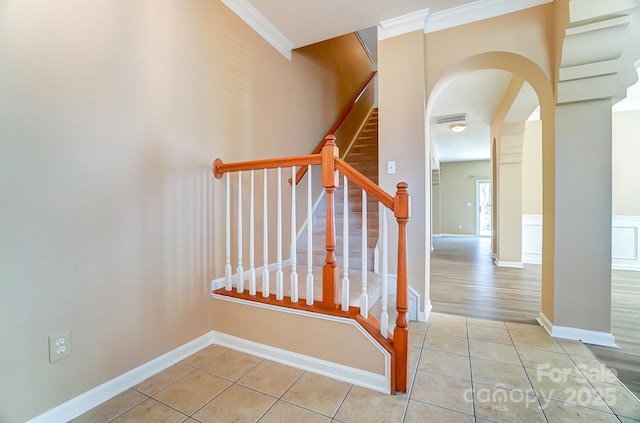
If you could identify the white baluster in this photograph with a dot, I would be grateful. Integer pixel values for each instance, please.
(345, 247)
(309, 239)
(252, 265)
(279, 275)
(364, 298)
(384, 317)
(240, 270)
(227, 266)
(294, 246)
(265, 238)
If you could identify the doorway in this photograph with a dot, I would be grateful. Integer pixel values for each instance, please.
(483, 209)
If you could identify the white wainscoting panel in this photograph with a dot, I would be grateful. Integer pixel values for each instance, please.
(532, 238)
(625, 241)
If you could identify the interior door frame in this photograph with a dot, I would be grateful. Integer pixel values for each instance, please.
(478, 182)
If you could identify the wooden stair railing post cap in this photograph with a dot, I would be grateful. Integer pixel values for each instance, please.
(215, 167)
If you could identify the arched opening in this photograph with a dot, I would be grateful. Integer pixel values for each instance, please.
(518, 85)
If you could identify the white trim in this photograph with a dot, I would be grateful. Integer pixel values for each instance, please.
(252, 17)
(414, 312)
(604, 339)
(305, 314)
(532, 238)
(403, 24)
(513, 264)
(423, 316)
(477, 11)
(220, 282)
(625, 250)
(531, 258)
(545, 322)
(477, 205)
(337, 371)
(362, 378)
(414, 303)
(96, 396)
(459, 235)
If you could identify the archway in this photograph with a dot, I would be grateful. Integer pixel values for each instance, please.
(526, 71)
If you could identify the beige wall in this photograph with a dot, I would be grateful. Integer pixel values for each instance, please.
(532, 168)
(522, 32)
(330, 340)
(457, 188)
(110, 115)
(583, 216)
(402, 139)
(626, 172)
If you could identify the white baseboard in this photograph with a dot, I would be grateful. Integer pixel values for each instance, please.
(414, 312)
(604, 339)
(423, 316)
(459, 235)
(514, 264)
(96, 396)
(545, 322)
(86, 401)
(532, 258)
(362, 378)
(414, 304)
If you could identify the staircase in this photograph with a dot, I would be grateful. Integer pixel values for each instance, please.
(380, 361)
(363, 155)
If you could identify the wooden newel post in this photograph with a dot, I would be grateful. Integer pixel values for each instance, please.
(330, 278)
(401, 207)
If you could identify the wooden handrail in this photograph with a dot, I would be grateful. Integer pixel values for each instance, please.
(365, 183)
(337, 124)
(331, 164)
(219, 168)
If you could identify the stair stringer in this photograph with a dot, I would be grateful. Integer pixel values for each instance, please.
(372, 211)
(343, 154)
(331, 346)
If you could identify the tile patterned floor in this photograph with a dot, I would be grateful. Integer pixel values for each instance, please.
(462, 370)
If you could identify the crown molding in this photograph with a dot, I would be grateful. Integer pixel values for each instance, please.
(477, 11)
(403, 24)
(252, 17)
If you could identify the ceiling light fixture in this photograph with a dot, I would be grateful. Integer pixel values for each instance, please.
(458, 127)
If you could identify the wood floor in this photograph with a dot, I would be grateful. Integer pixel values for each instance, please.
(465, 281)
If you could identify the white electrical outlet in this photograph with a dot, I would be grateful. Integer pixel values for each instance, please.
(59, 346)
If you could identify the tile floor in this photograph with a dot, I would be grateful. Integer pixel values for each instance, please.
(462, 370)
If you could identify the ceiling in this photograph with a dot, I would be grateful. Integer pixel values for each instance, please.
(290, 24)
(305, 22)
